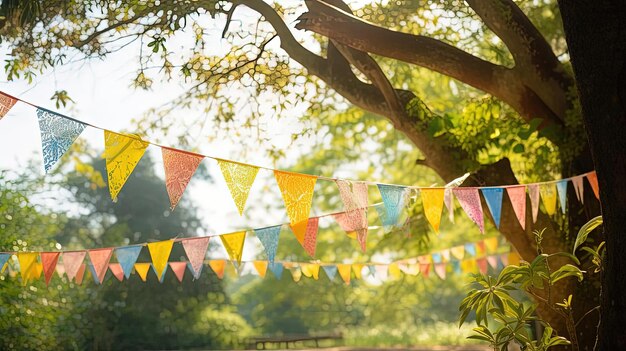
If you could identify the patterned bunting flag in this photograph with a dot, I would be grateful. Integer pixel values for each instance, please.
(142, 270)
(382, 216)
(179, 167)
(239, 177)
(195, 249)
(117, 271)
(331, 271)
(561, 187)
(533, 193)
(432, 200)
(579, 188)
(548, 196)
(6, 103)
(80, 274)
(448, 200)
(122, 153)
(72, 261)
(218, 267)
(470, 202)
(233, 243)
(57, 135)
(517, 195)
(28, 265)
(269, 238)
(160, 254)
(355, 202)
(309, 242)
(276, 268)
(310, 270)
(127, 256)
(394, 199)
(49, 262)
(593, 181)
(493, 198)
(261, 267)
(179, 270)
(100, 261)
(297, 192)
(344, 272)
(4, 257)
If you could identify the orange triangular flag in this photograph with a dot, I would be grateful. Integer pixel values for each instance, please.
(233, 243)
(6, 103)
(80, 274)
(309, 241)
(142, 270)
(261, 267)
(100, 260)
(432, 200)
(49, 261)
(179, 270)
(593, 181)
(179, 168)
(117, 271)
(344, 271)
(218, 267)
(297, 191)
(239, 178)
(72, 261)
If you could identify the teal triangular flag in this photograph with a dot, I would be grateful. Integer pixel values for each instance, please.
(331, 271)
(269, 238)
(276, 268)
(394, 199)
(493, 197)
(57, 135)
(371, 269)
(470, 249)
(4, 257)
(162, 274)
(561, 187)
(127, 256)
(93, 274)
(382, 214)
(456, 267)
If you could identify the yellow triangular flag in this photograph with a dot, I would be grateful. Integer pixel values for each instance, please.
(296, 273)
(344, 271)
(297, 192)
(491, 244)
(394, 271)
(458, 252)
(160, 253)
(233, 243)
(261, 267)
(469, 266)
(310, 270)
(122, 153)
(142, 269)
(548, 196)
(239, 178)
(432, 200)
(37, 270)
(28, 263)
(357, 268)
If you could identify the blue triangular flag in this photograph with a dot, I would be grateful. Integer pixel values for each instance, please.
(57, 135)
(269, 238)
(4, 257)
(276, 268)
(162, 274)
(561, 187)
(382, 214)
(93, 274)
(493, 197)
(470, 249)
(456, 266)
(331, 271)
(394, 199)
(437, 257)
(127, 256)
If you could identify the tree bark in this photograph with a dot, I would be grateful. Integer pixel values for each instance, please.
(596, 37)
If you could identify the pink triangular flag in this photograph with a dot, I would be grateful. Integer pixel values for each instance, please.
(517, 195)
(195, 248)
(469, 198)
(593, 181)
(81, 273)
(425, 269)
(579, 188)
(72, 261)
(355, 203)
(179, 269)
(493, 261)
(100, 260)
(382, 271)
(440, 270)
(310, 236)
(482, 265)
(49, 262)
(504, 258)
(533, 192)
(179, 168)
(117, 271)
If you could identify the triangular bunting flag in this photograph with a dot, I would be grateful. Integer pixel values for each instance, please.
(310, 235)
(440, 270)
(239, 177)
(331, 271)
(100, 261)
(80, 274)
(448, 200)
(436, 257)
(470, 202)
(233, 243)
(394, 199)
(458, 252)
(344, 271)
(218, 267)
(382, 216)
(533, 193)
(195, 249)
(57, 135)
(481, 248)
(579, 188)
(37, 270)
(72, 261)
(6, 103)
(517, 195)
(355, 202)
(493, 261)
(160, 254)
(482, 265)
(92, 270)
(4, 257)
(548, 195)
(310, 270)
(269, 238)
(408, 268)
(491, 244)
(456, 267)
(117, 271)
(179, 167)
(122, 153)
(394, 270)
(470, 249)
(469, 266)
(179, 270)
(142, 270)
(162, 276)
(261, 267)
(297, 192)
(561, 187)
(28, 263)
(425, 269)
(382, 272)
(296, 273)
(276, 268)
(445, 254)
(593, 181)
(493, 198)
(504, 258)
(432, 200)
(49, 262)
(127, 256)
(357, 268)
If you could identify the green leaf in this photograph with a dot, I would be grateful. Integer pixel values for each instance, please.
(565, 271)
(519, 149)
(585, 230)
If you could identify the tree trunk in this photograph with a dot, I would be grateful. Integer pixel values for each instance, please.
(596, 37)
